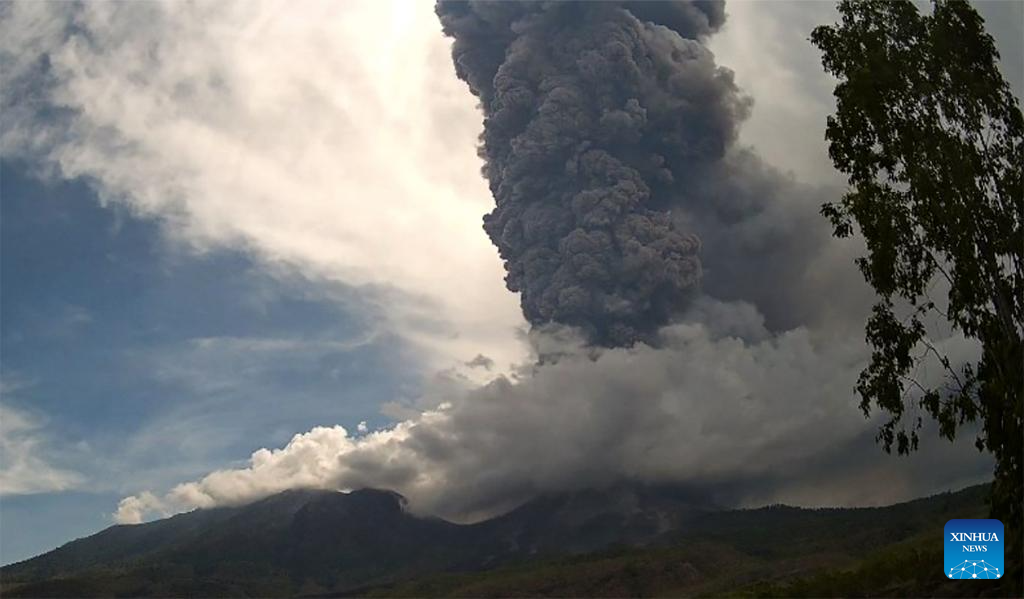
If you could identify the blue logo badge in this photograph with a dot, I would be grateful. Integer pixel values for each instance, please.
(973, 549)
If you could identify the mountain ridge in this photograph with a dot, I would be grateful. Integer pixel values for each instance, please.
(326, 542)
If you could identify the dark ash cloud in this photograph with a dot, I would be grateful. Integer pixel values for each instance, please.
(597, 116)
(620, 193)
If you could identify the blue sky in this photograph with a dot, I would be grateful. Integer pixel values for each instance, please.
(150, 363)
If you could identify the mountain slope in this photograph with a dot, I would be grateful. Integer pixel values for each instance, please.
(775, 551)
(330, 543)
(307, 537)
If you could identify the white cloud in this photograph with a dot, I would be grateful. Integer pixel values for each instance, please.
(25, 467)
(328, 137)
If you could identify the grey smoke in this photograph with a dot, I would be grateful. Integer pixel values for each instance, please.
(597, 117)
(481, 361)
(610, 148)
(746, 422)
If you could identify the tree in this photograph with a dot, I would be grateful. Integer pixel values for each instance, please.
(930, 137)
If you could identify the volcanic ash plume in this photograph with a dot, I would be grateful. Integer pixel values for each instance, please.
(597, 116)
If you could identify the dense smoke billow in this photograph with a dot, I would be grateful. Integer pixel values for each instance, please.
(607, 136)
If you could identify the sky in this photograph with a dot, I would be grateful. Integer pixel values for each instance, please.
(241, 250)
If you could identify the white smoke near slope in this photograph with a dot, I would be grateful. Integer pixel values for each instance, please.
(707, 408)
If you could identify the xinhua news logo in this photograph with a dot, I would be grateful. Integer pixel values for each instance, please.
(973, 549)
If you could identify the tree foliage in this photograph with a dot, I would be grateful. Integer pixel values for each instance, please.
(930, 137)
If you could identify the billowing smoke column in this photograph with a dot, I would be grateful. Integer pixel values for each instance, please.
(597, 116)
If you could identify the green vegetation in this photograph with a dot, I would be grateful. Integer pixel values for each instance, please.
(932, 141)
(770, 552)
(315, 544)
(908, 569)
